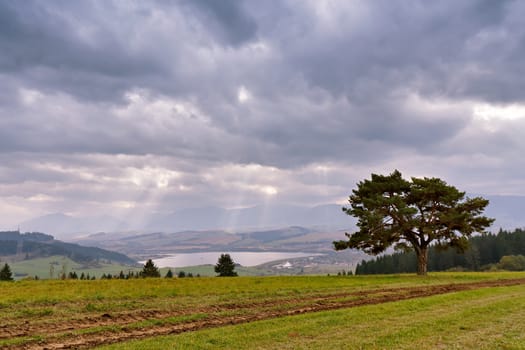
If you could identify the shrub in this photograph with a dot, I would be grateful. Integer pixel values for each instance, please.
(512, 263)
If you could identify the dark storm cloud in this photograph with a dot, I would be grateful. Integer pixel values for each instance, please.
(97, 51)
(62, 35)
(383, 48)
(227, 20)
(70, 47)
(370, 48)
(365, 49)
(184, 97)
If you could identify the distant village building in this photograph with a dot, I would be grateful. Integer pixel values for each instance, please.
(286, 265)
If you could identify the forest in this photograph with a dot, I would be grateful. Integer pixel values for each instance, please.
(504, 250)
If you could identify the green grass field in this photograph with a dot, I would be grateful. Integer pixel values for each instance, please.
(442, 310)
(490, 318)
(53, 266)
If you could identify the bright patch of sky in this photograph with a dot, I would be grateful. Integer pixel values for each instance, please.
(243, 95)
(489, 112)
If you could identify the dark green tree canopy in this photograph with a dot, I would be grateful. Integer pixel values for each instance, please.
(392, 211)
(5, 273)
(225, 266)
(150, 270)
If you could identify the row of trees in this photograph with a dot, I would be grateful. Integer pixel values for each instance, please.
(225, 267)
(504, 250)
(141, 274)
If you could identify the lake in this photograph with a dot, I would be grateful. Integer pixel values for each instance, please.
(242, 258)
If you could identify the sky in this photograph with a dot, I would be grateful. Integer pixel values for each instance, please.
(126, 108)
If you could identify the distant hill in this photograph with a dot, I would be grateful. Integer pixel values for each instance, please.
(29, 245)
(288, 239)
(62, 225)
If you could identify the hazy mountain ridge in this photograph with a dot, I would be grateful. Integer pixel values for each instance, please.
(197, 219)
(248, 218)
(509, 212)
(64, 225)
(289, 239)
(32, 245)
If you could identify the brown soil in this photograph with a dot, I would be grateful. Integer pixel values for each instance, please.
(121, 326)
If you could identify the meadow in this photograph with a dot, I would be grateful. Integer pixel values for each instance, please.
(442, 310)
(53, 266)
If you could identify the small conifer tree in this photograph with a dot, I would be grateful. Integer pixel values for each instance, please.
(5, 273)
(150, 270)
(225, 266)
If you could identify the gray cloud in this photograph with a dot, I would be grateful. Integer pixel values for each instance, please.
(171, 104)
(377, 45)
(227, 21)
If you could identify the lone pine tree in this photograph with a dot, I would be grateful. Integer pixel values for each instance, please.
(392, 211)
(225, 266)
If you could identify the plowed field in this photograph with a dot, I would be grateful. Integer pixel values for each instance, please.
(78, 324)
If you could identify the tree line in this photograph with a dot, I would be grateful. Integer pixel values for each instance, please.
(504, 250)
(225, 267)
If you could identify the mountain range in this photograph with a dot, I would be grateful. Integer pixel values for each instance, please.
(205, 218)
(508, 210)
(288, 239)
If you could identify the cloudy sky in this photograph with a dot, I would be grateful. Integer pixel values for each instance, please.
(132, 107)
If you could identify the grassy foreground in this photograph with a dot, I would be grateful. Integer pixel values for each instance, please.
(489, 318)
(55, 313)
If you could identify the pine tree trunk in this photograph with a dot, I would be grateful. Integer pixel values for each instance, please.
(422, 261)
